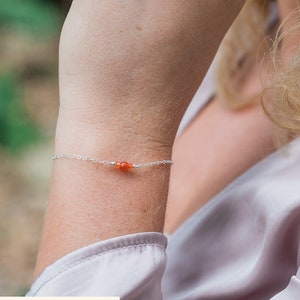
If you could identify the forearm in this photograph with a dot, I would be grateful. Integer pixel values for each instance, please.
(151, 57)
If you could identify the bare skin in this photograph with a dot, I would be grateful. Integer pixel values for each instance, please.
(209, 156)
(128, 70)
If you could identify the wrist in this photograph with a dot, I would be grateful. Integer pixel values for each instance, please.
(110, 138)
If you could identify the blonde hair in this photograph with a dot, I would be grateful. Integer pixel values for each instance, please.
(280, 95)
(281, 99)
(238, 51)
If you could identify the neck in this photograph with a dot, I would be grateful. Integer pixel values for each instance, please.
(286, 7)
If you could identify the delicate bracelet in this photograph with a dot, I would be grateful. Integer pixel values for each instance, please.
(123, 165)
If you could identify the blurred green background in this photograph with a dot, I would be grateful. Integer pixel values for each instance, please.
(29, 31)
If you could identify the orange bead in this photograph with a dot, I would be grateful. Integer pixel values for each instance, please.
(124, 166)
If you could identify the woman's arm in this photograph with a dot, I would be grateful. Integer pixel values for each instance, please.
(128, 70)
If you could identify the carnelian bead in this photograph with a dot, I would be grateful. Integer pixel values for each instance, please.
(124, 166)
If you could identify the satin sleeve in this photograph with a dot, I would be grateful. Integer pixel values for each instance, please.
(130, 267)
(292, 291)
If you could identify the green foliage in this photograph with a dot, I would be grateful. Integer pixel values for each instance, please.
(21, 292)
(16, 129)
(37, 17)
(40, 19)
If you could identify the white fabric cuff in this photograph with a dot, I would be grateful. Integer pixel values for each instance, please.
(129, 266)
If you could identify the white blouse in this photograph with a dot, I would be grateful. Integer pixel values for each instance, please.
(243, 244)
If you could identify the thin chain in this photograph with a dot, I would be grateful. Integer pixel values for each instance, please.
(110, 163)
(154, 163)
